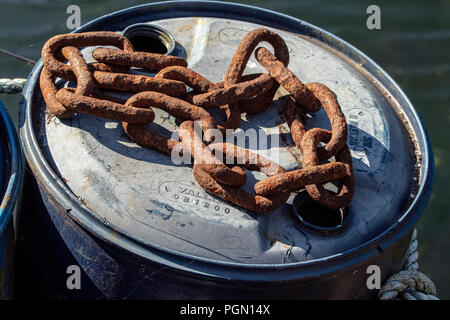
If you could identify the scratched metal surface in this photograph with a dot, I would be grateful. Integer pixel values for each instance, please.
(142, 194)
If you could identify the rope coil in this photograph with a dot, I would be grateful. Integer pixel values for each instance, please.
(410, 283)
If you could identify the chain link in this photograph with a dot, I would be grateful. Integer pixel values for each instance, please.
(237, 94)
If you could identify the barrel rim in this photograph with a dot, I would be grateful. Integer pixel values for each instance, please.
(14, 174)
(206, 266)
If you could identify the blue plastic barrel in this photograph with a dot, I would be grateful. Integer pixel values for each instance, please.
(10, 179)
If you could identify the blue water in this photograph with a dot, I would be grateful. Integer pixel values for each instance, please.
(413, 46)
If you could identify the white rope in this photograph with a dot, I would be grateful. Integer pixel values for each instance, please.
(12, 86)
(410, 283)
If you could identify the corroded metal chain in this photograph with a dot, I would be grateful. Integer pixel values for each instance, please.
(237, 94)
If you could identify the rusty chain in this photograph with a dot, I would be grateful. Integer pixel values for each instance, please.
(237, 94)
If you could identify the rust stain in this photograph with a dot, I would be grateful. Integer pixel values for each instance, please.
(274, 241)
(185, 28)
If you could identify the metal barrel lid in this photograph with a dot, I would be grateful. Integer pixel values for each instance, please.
(138, 199)
(10, 167)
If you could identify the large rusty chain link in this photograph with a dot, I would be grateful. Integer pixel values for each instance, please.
(237, 94)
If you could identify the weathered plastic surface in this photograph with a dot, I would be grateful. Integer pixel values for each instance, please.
(10, 179)
(136, 199)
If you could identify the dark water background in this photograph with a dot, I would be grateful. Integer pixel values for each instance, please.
(413, 46)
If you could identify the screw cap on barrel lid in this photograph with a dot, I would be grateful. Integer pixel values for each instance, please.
(143, 195)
